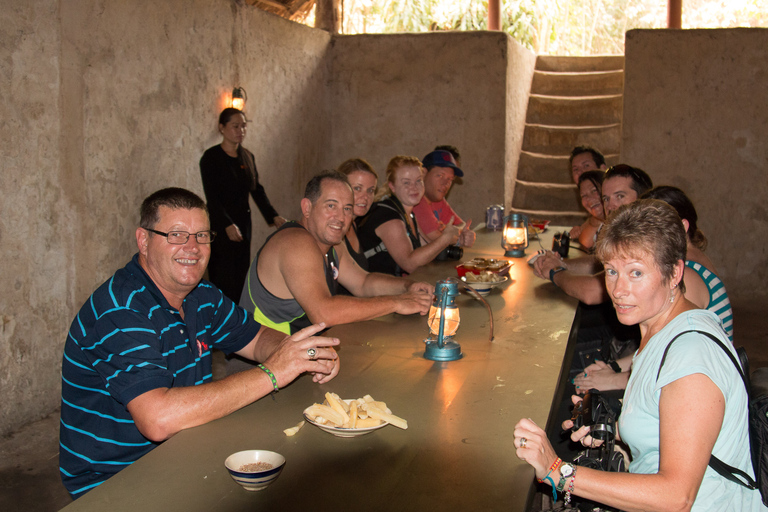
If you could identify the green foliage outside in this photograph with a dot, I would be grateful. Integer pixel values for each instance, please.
(557, 27)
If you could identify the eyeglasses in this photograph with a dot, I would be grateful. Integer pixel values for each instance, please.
(181, 237)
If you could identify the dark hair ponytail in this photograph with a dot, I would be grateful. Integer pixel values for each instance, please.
(685, 209)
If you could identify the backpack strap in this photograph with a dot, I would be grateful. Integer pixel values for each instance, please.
(726, 471)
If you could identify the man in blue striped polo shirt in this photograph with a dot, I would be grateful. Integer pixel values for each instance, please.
(137, 360)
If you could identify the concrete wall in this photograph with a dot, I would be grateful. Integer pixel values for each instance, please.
(521, 64)
(105, 102)
(405, 94)
(696, 117)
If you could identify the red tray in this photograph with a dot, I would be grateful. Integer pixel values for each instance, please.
(461, 269)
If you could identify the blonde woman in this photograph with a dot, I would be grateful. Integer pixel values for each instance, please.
(389, 235)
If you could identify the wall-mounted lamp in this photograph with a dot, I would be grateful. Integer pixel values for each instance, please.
(239, 97)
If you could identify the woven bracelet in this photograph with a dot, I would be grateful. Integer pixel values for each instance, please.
(554, 492)
(270, 375)
(551, 468)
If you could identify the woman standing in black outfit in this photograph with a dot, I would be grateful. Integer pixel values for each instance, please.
(229, 175)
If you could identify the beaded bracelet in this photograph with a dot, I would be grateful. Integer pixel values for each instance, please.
(270, 375)
(570, 488)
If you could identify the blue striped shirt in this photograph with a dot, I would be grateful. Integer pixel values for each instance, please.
(719, 303)
(127, 340)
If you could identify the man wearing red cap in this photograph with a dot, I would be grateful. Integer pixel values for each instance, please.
(433, 212)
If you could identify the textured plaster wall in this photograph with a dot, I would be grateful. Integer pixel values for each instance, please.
(104, 102)
(521, 64)
(405, 94)
(696, 116)
(36, 228)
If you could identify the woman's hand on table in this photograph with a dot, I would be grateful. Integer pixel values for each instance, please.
(233, 233)
(532, 446)
(547, 262)
(600, 376)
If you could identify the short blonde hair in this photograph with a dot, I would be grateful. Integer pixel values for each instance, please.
(645, 227)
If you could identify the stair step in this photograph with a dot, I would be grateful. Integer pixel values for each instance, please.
(546, 196)
(578, 84)
(582, 111)
(556, 218)
(592, 63)
(559, 140)
(544, 168)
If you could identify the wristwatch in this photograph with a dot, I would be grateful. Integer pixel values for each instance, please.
(554, 271)
(566, 471)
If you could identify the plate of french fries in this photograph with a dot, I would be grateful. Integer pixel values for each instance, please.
(351, 417)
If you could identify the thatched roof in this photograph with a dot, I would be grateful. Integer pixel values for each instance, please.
(296, 10)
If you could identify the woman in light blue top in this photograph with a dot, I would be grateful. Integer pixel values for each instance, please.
(672, 419)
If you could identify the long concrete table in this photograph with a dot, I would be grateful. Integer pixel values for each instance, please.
(457, 453)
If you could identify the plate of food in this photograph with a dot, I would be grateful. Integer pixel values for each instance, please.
(500, 267)
(483, 283)
(536, 227)
(351, 417)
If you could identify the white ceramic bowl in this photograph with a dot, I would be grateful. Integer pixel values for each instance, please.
(343, 432)
(254, 480)
(484, 288)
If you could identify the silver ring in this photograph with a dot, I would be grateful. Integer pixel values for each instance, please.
(523, 442)
(311, 352)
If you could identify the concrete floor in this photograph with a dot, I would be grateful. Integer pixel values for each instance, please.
(29, 474)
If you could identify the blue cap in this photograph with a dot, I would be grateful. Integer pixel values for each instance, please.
(442, 158)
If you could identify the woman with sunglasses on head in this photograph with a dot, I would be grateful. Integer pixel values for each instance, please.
(229, 174)
(685, 400)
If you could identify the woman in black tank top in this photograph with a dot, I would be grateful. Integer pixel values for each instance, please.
(389, 235)
(364, 182)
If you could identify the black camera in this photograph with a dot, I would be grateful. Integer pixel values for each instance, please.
(561, 242)
(450, 253)
(595, 412)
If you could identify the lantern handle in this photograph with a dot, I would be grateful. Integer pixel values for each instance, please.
(477, 295)
(441, 330)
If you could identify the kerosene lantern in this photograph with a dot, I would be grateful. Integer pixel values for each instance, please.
(443, 320)
(514, 238)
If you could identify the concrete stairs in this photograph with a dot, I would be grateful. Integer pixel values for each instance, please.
(574, 101)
